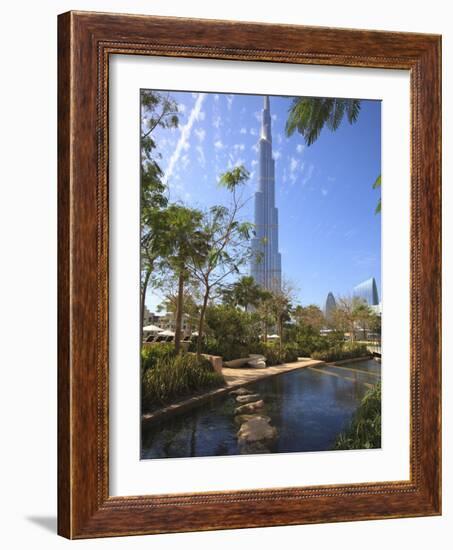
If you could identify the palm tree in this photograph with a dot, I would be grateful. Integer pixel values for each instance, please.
(309, 115)
(244, 293)
(377, 185)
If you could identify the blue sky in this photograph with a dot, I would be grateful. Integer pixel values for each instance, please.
(330, 237)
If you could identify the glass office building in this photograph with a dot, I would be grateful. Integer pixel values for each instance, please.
(367, 291)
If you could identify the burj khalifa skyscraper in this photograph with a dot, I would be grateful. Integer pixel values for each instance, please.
(266, 264)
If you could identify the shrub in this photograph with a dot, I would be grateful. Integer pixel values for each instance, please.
(274, 356)
(230, 332)
(340, 353)
(172, 377)
(152, 353)
(364, 431)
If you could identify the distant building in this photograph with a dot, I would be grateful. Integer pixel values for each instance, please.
(167, 321)
(330, 307)
(367, 291)
(150, 318)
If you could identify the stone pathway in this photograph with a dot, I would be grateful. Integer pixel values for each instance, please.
(240, 376)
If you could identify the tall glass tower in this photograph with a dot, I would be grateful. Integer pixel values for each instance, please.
(266, 265)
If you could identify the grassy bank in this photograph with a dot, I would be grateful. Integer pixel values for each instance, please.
(364, 432)
(167, 377)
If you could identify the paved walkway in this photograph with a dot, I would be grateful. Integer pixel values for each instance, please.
(238, 377)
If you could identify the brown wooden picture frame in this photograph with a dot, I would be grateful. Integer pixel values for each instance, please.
(85, 42)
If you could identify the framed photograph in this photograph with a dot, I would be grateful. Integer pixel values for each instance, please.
(249, 275)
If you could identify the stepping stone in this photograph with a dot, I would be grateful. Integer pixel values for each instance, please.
(256, 429)
(253, 447)
(247, 398)
(250, 407)
(241, 391)
(240, 419)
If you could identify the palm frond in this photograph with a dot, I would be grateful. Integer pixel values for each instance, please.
(309, 115)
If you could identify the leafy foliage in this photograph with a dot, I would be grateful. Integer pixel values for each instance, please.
(364, 431)
(244, 292)
(377, 185)
(340, 353)
(309, 115)
(230, 332)
(171, 377)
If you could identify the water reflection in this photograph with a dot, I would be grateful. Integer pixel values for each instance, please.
(309, 408)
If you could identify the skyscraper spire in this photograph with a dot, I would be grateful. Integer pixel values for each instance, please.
(266, 259)
(266, 121)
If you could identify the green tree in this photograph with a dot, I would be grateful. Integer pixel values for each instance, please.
(157, 110)
(181, 241)
(244, 293)
(227, 241)
(190, 308)
(280, 305)
(351, 314)
(230, 331)
(309, 316)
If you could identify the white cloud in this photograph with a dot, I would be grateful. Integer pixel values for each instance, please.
(274, 117)
(293, 164)
(219, 144)
(233, 162)
(185, 161)
(300, 148)
(184, 136)
(201, 156)
(201, 115)
(253, 132)
(229, 98)
(308, 175)
(216, 121)
(255, 147)
(243, 131)
(324, 192)
(279, 138)
(200, 133)
(239, 147)
(216, 97)
(277, 155)
(254, 162)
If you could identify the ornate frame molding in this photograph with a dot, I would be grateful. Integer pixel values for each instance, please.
(86, 40)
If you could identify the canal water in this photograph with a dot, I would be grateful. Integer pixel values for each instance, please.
(309, 407)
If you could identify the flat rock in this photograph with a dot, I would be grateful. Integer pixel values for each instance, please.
(241, 418)
(241, 391)
(257, 364)
(253, 447)
(250, 407)
(256, 429)
(247, 398)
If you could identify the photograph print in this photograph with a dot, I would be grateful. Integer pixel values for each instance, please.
(260, 271)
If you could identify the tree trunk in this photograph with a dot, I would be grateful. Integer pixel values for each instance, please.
(142, 299)
(280, 332)
(179, 309)
(201, 322)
